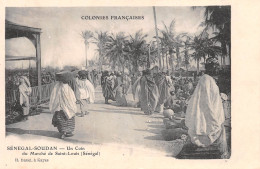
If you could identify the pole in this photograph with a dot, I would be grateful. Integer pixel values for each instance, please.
(148, 59)
(156, 31)
(86, 50)
(38, 64)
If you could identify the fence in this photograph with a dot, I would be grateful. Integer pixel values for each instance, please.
(13, 95)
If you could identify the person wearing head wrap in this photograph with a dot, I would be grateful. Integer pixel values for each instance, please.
(164, 90)
(107, 87)
(149, 93)
(136, 91)
(63, 105)
(205, 114)
(25, 91)
(85, 92)
(119, 91)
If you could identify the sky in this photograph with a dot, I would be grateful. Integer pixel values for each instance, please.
(61, 43)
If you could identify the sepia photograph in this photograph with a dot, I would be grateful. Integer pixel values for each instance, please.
(155, 77)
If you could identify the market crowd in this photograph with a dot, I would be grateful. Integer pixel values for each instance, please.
(192, 106)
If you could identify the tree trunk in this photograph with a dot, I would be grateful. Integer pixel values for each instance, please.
(171, 61)
(229, 51)
(198, 66)
(135, 66)
(178, 55)
(163, 60)
(101, 58)
(167, 61)
(224, 51)
(86, 53)
(157, 40)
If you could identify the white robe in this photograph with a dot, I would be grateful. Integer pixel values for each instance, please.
(205, 114)
(63, 98)
(25, 91)
(85, 90)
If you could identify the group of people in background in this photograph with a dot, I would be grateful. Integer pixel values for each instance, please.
(153, 90)
(197, 99)
(115, 86)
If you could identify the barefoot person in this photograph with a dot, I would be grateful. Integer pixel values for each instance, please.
(164, 90)
(85, 92)
(107, 86)
(136, 91)
(149, 93)
(119, 90)
(63, 105)
(205, 114)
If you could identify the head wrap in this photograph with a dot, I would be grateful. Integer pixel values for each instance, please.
(212, 65)
(64, 76)
(83, 74)
(212, 60)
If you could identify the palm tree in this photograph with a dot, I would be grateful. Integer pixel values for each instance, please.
(164, 48)
(100, 41)
(203, 47)
(219, 17)
(157, 40)
(169, 40)
(138, 49)
(187, 44)
(86, 35)
(198, 47)
(116, 50)
(179, 43)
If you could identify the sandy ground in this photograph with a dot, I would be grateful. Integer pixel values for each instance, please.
(107, 124)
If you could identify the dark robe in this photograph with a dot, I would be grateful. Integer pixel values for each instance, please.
(163, 88)
(149, 94)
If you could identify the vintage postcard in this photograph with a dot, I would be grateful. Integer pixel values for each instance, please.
(152, 85)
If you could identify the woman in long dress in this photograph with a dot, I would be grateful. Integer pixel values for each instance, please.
(119, 90)
(25, 90)
(136, 91)
(149, 93)
(164, 90)
(107, 87)
(85, 92)
(63, 105)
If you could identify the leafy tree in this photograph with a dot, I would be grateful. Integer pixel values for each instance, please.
(86, 35)
(169, 40)
(219, 18)
(138, 49)
(116, 50)
(203, 47)
(100, 41)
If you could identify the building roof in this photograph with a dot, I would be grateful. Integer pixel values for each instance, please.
(14, 30)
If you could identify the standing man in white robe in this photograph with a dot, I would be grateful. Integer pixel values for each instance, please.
(25, 91)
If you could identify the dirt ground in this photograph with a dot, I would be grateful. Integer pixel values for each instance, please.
(105, 124)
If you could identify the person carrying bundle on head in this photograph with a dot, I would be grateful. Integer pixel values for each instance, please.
(63, 105)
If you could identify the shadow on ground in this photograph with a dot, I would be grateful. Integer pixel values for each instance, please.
(116, 111)
(52, 134)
